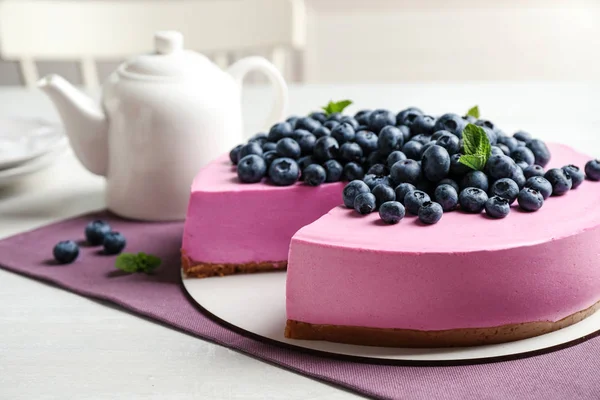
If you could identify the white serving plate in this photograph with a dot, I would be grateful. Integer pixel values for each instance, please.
(14, 174)
(23, 140)
(255, 303)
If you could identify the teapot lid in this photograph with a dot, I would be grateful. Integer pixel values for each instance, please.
(169, 60)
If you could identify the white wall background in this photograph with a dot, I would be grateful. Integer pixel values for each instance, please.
(431, 40)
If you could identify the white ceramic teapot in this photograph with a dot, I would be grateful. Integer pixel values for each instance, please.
(163, 116)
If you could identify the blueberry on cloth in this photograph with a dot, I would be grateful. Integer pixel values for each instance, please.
(114, 243)
(65, 252)
(95, 232)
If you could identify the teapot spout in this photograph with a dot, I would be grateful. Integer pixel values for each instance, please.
(85, 122)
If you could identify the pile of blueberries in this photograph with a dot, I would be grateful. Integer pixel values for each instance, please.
(407, 162)
(97, 233)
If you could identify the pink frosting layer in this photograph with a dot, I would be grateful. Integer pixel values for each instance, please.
(231, 222)
(466, 271)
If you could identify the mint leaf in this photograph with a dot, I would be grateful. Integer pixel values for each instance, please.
(473, 161)
(477, 147)
(140, 262)
(473, 112)
(336, 107)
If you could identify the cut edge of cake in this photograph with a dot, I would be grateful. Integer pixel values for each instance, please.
(195, 269)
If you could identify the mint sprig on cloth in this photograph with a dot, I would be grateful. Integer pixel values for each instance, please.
(140, 262)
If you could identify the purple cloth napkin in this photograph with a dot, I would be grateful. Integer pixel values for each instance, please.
(571, 373)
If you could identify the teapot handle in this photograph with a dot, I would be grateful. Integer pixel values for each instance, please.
(238, 71)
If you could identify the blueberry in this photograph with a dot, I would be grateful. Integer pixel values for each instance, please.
(279, 131)
(284, 172)
(510, 142)
(326, 148)
(337, 117)
(497, 151)
(374, 180)
(421, 138)
(425, 186)
(299, 134)
(486, 123)
(353, 171)
(448, 141)
(114, 243)
(234, 153)
(530, 199)
(378, 169)
(361, 128)
(65, 252)
(423, 124)
(560, 180)
(522, 165)
(533, 170)
(319, 116)
(307, 143)
(321, 131)
(430, 213)
(269, 157)
(250, 148)
(470, 119)
(314, 175)
(288, 147)
(500, 166)
(329, 125)
(292, 121)
(365, 203)
(307, 123)
(502, 147)
(333, 171)
(491, 135)
(346, 119)
(391, 212)
(380, 118)
(523, 154)
(268, 146)
(414, 200)
(522, 136)
(251, 169)
(577, 175)
(592, 170)
(408, 116)
(260, 138)
(343, 133)
(95, 232)
(412, 150)
(353, 189)
(446, 196)
(405, 132)
(383, 193)
(390, 139)
(305, 161)
(518, 176)
(362, 117)
(452, 123)
(403, 189)
(405, 171)
(394, 157)
(476, 179)
(451, 182)
(497, 207)
(540, 184)
(435, 163)
(367, 140)
(456, 167)
(351, 152)
(375, 158)
(472, 199)
(505, 188)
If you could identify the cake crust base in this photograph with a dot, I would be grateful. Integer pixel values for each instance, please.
(196, 269)
(420, 339)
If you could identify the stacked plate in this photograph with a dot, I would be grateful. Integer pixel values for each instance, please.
(27, 146)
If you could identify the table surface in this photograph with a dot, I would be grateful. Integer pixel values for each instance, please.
(55, 344)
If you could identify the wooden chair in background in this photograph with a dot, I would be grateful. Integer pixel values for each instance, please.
(111, 30)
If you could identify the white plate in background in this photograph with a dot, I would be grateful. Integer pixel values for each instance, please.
(23, 140)
(255, 303)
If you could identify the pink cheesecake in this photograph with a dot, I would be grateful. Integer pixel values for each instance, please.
(233, 227)
(467, 280)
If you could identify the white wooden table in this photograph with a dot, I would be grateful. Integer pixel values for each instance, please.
(55, 344)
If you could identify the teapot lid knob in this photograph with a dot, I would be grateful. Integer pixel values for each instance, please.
(167, 42)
